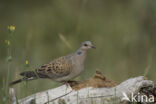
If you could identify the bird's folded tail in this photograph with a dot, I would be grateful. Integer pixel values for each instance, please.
(15, 82)
(27, 76)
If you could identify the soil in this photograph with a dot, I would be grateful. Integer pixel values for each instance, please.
(97, 81)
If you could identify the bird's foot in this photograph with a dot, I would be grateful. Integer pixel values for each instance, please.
(72, 82)
(65, 82)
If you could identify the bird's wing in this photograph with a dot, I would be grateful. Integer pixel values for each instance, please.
(57, 68)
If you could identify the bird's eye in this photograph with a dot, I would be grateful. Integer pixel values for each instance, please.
(85, 45)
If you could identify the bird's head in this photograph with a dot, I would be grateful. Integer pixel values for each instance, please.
(86, 45)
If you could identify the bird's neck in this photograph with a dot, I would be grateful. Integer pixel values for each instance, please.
(81, 55)
(81, 52)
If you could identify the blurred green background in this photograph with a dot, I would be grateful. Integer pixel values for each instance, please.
(124, 32)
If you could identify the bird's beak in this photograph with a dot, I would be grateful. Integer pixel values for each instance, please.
(93, 47)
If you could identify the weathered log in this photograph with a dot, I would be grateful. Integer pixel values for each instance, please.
(97, 90)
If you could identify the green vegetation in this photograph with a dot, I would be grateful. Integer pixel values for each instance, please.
(123, 32)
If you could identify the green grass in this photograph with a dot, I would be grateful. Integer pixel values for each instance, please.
(5, 95)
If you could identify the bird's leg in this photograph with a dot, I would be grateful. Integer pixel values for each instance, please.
(65, 82)
(72, 82)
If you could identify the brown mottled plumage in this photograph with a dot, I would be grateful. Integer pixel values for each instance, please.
(60, 69)
(57, 68)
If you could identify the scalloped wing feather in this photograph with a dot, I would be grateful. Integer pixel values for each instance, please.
(57, 68)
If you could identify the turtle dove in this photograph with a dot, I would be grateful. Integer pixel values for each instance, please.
(61, 69)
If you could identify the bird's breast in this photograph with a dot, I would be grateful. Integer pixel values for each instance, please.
(79, 64)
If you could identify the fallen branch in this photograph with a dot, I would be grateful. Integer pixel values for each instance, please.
(97, 90)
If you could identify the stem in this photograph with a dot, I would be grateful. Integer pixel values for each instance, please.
(8, 76)
(9, 59)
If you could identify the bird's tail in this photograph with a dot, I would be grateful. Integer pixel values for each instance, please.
(27, 76)
(15, 82)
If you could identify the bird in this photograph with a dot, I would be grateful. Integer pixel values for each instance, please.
(62, 69)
